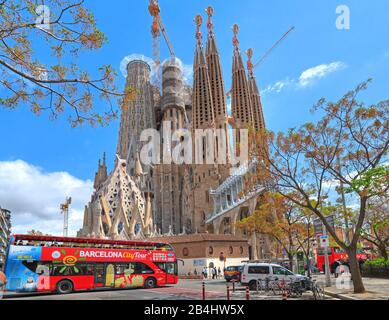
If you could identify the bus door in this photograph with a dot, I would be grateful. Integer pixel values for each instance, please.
(171, 272)
(104, 275)
(100, 275)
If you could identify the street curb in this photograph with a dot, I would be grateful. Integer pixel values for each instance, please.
(340, 296)
(345, 297)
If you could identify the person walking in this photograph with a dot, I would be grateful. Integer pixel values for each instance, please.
(3, 282)
(205, 272)
(219, 273)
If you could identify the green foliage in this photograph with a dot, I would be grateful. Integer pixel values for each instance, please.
(380, 262)
(372, 181)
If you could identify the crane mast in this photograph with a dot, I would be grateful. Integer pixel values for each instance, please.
(156, 28)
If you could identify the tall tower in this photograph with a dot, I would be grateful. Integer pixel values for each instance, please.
(259, 120)
(203, 111)
(218, 96)
(241, 103)
(205, 176)
(138, 115)
(169, 177)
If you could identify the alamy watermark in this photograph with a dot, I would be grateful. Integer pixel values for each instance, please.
(43, 17)
(343, 21)
(199, 147)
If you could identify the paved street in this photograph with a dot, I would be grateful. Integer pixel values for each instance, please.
(376, 289)
(185, 290)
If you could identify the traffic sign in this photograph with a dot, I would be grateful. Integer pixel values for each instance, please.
(324, 242)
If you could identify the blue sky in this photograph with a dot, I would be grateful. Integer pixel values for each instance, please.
(316, 60)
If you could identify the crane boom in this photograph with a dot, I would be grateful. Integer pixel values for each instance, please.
(166, 36)
(268, 52)
(274, 46)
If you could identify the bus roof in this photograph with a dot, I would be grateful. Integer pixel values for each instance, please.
(85, 240)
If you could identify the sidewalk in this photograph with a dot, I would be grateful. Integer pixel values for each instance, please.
(376, 289)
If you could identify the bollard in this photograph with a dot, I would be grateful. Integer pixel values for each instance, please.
(247, 293)
(203, 290)
(228, 292)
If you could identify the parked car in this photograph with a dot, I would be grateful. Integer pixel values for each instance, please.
(252, 272)
(232, 273)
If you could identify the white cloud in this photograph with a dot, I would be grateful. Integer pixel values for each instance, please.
(307, 77)
(34, 197)
(278, 86)
(187, 71)
(318, 72)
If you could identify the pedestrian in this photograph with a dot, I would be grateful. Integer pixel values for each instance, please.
(3, 282)
(219, 273)
(195, 272)
(205, 272)
(336, 268)
(214, 273)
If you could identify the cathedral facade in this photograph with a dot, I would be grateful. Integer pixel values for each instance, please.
(183, 197)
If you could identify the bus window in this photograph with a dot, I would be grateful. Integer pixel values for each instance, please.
(61, 270)
(39, 268)
(170, 268)
(141, 268)
(32, 266)
(122, 268)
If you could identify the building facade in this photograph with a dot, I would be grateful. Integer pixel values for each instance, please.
(5, 233)
(197, 251)
(198, 197)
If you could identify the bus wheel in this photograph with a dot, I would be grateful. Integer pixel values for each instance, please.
(65, 287)
(150, 283)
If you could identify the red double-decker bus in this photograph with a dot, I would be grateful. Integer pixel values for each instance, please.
(64, 265)
(335, 254)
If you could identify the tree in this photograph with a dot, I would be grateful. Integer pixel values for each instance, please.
(281, 220)
(376, 228)
(37, 233)
(39, 43)
(349, 144)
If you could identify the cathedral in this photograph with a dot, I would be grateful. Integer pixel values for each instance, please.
(142, 201)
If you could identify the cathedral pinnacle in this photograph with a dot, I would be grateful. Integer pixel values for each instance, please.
(250, 66)
(235, 39)
(199, 21)
(210, 12)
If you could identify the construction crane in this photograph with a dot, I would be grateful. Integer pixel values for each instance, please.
(252, 66)
(156, 28)
(273, 47)
(65, 211)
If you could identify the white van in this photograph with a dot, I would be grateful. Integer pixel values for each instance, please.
(252, 272)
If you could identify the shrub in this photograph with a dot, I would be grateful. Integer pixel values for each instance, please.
(380, 262)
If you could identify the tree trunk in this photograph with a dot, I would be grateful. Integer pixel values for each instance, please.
(355, 271)
(290, 257)
(383, 251)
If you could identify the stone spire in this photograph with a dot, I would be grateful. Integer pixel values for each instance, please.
(203, 113)
(218, 98)
(259, 120)
(215, 75)
(241, 103)
(102, 174)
